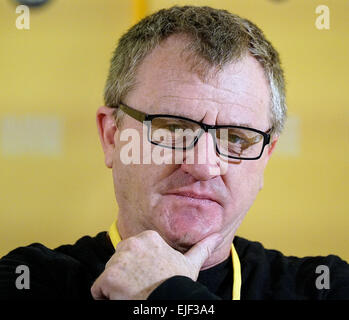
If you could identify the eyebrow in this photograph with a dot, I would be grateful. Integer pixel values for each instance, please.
(247, 125)
(172, 112)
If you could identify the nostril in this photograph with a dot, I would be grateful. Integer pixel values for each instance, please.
(201, 172)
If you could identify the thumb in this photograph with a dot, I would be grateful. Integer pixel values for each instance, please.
(202, 250)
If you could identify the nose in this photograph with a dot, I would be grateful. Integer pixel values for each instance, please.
(202, 162)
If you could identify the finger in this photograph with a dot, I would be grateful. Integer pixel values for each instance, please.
(201, 251)
(96, 291)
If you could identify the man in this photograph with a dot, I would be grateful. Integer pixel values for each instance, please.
(201, 93)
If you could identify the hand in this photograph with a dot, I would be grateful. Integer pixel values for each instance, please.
(141, 263)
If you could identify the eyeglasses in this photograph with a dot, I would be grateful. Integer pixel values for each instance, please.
(181, 133)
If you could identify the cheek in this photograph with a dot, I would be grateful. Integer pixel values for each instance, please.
(124, 184)
(127, 179)
(136, 184)
(243, 182)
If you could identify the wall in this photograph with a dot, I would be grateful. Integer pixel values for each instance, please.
(54, 186)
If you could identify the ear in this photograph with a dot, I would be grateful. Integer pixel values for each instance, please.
(270, 149)
(106, 130)
(271, 146)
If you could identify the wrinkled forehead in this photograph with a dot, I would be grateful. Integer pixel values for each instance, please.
(170, 77)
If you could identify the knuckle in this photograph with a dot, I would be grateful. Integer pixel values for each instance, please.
(130, 243)
(99, 287)
(107, 283)
(113, 278)
(151, 234)
(138, 242)
(94, 290)
(110, 275)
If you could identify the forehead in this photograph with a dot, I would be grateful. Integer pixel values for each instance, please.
(166, 83)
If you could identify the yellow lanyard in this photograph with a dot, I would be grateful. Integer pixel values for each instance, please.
(115, 239)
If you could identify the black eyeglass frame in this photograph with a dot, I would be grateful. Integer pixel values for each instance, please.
(142, 117)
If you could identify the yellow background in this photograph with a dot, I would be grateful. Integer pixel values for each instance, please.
(58, 68)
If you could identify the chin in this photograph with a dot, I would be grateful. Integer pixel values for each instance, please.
(183, 229)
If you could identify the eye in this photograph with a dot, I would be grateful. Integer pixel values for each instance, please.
(233, 138)
(173, 127)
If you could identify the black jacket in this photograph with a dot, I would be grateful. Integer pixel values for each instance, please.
(69, 271)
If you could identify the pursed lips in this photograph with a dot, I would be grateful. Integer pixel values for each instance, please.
(193, 195)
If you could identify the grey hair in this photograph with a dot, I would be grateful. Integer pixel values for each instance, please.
(215, 36)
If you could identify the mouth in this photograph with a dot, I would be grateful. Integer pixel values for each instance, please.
(200, 198)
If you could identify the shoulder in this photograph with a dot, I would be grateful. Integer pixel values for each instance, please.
(63, 272)
(269, 274)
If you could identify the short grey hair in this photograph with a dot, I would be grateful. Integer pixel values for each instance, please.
(216, 36)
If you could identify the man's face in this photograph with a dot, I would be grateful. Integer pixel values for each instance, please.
(187, 202)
